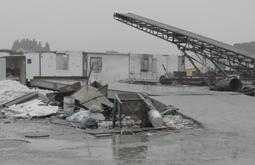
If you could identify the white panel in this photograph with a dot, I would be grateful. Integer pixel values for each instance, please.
(114, 68)
(181, 63)
(32, 65)
(2, 68)
(169, 61)
(49, 68)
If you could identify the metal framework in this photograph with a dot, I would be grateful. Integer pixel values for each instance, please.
(215, 51)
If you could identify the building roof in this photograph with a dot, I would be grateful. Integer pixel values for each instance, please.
(10, 51)
(108, 53)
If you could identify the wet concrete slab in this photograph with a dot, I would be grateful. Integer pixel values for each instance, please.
(165, 90)
(72, 146)
(223, 112)
(227, 138)
(68, 145)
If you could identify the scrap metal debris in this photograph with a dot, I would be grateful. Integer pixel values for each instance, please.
(88, 107)
(88, 96)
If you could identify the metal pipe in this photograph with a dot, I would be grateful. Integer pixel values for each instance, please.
(232, 84)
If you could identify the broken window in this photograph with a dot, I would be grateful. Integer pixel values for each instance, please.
(62, 61)
(29, 61)
(145, 64)
(97, 64)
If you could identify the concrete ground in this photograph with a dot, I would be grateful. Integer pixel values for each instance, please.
(227, 136)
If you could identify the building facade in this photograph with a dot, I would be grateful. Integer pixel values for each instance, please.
(105, 67)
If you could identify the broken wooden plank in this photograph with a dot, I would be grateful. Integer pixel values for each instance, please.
(46, 84)
(21, 99)
(70, 88)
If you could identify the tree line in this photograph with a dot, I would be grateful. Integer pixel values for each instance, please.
(247, 46)
(29, 45)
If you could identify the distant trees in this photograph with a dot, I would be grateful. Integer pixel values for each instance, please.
(247, 46)
(29, 45)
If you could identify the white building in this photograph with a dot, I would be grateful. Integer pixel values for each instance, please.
(67, 63)
(107, 66)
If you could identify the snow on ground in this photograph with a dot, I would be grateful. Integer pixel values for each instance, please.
(10, 90)
(10, 85)
(34, 108)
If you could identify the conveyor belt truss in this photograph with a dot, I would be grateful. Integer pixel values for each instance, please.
(215, 51)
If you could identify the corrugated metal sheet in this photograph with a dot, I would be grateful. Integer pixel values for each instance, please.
(186, 33)
(89, 96)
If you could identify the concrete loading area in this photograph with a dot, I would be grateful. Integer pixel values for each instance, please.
(226, 136)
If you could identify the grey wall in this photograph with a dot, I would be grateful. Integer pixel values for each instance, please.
(2, 68)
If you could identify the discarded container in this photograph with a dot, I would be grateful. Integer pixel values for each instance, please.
(155, 118)
(232, 84)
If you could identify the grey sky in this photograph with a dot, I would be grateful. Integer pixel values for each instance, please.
(89, 24)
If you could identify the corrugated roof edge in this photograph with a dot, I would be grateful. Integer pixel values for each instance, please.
(106, 53)
(10, 51)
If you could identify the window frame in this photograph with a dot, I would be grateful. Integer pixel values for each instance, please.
(145, 64)
(98, 64)
(62, 61)
(29, 61)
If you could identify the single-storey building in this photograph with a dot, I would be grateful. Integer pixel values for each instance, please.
(108, 66)
(64, 63)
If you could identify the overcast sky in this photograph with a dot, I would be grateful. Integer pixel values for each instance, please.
(89, 25)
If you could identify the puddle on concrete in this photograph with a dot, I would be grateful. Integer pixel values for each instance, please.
(6, 144)
(130, 147)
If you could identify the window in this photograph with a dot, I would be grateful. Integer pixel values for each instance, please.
(145, 64)
(29, 61)
(97, 64)
(62, 61)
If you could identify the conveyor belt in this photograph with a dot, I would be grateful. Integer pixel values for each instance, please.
(218, 52)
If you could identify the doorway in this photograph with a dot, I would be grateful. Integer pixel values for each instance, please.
(16, 68)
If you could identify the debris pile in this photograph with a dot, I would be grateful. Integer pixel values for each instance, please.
(88, 107)
(18, 101)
